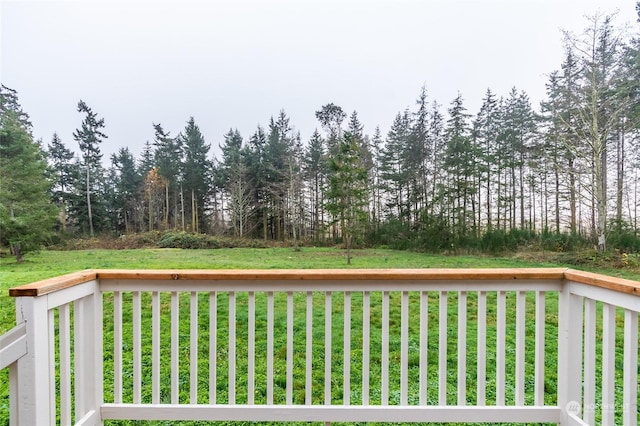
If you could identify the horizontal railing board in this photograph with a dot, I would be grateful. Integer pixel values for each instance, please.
(339, 274)
(13, 345)
(612, 283)
(328, 286)
(331, 413)
(50, 285)
(58, 283)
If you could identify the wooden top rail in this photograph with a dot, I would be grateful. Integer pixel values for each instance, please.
(51, 285)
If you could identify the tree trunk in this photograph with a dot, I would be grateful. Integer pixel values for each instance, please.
(89, 204)
(620, 183)
(17, 251)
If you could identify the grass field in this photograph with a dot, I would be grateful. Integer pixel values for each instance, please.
(52, 263)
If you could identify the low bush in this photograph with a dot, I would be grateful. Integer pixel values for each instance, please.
(186, 240)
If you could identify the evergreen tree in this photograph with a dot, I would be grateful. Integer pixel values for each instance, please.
(127, 181)
(600, 109)
(346, 195)
(27, 215)
(235, 175)
(461, 165)
(196, 177)
(63, 173)
(315, 171)
(89, 137)
(9, 104)
(393, 168)
(486, 129)
(147, 159)
(331, 117)
(168, 160)
(256, 161)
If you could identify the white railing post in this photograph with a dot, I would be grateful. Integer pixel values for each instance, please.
(88, 350)
(34, 369)
(569, 353)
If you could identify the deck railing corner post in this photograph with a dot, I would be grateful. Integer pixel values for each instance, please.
(570, 353)
(34, 370)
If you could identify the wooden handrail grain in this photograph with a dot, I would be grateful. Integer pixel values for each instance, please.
(58, 283)
(336, 274)
(612, 283)
(50, 285)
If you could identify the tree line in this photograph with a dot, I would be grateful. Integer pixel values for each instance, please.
(441, 178)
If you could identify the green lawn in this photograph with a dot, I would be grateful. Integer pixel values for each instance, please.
(52, 263)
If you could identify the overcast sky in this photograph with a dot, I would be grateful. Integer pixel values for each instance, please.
(234, 64)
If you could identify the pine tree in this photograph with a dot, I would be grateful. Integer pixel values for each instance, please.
(10, 104)
(27, 215)
(89, 137)
(127, 182)
(346, 195)
(196, 177)
(168, 160)
(315, 171)
(460, 162)
(63, 174)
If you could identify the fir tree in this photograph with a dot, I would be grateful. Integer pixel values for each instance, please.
(27, 215)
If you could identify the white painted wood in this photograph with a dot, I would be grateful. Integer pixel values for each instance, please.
(175, 340)
(385, 349)
(89, 315)
(540, 349)
(270, 325)
(501, 320)
(231, 389)
(608, 363)
(64, 338)
(366, 342)
(117, 347)
(611, 297)
(52, 361)
(326, 285)
(570, 317)
(137, 348)
(34, 369)
(521, 298)
(155, 347)
(289, 375)
(309, 350)
(91, 418)
(251, 348)
(213, 347)
(424, 334)
(13, 345)
(442, 349)
(630, 370)
(404, 348)
(346, 351)
(588, 411)
(335, 413)
(87, 354)
(327, 348)
(481, 349)
(13, 394)
(71, 294)
(574, 420)
(462, 348)
(97, 364)
(80, 357)
(193, 348)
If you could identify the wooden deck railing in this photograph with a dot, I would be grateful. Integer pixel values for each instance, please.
(480, 345)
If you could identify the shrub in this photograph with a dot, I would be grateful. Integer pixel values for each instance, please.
(185, 240)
